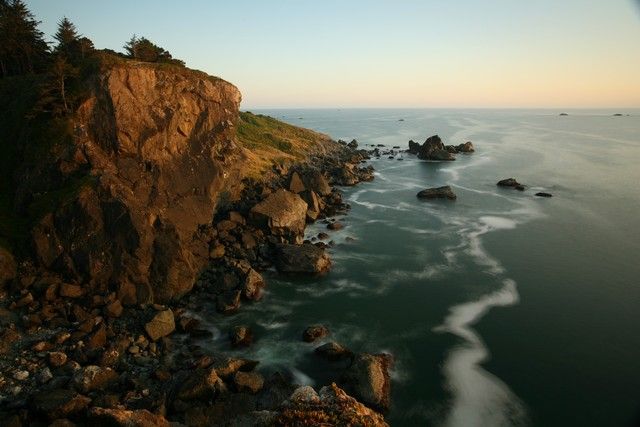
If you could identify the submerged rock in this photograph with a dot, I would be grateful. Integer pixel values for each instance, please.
(314, 333)
(241, 336)
(302, 259)
(437, 193)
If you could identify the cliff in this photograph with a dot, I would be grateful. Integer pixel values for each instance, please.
(123, 201)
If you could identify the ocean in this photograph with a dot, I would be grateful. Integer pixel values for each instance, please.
(500, 308)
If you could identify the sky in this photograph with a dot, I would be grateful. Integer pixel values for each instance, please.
(384, 53)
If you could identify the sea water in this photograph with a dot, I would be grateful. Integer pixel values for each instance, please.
(500, 308)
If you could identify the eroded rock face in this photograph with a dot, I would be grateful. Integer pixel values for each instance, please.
(151, 146)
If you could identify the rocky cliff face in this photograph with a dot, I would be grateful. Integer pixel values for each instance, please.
(152, 151)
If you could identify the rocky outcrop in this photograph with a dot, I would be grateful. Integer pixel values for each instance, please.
(146, 166)
(444, 192)
(302, 259)
(432, 149)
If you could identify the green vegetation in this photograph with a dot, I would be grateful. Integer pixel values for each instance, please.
(143, 49)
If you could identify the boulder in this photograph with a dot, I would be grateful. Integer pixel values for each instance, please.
(333, 351)
(7, 267)
(240, 336)
(251, 382)
(314, 333)
(335, 226)
(162, 324)
(437, 193)
(283, 213)
(200, 384)
(253, 285)
(467, 147)
(315, 180)
(295, 183)
(508, 182)
(368, 380)
(434, 149)
(301, 259)
(228, 366)
(93, 377)
(117, 417)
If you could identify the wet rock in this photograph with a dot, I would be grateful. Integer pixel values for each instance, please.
(162, 324)
(432, 149)
(240, 336)
(201, 384)
(301, 259)
(228, 302)
(253, 285)
(543, 194)
(509, 182)
(520, 187)
(228, 366)
(368, 380)
(314, 332)
(93, 377)
(282, 212)
(59, 403)
(444, 192)
(353, 144)
(117, 417)
(333, 351)
(251, 382)
(335, 226)
(467, 147)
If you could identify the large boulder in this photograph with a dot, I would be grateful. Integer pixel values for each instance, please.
(437, 193)
(368, 380)
(147, 163)
(315, 181)
(283, 213)
(162, 324)
(302, 259)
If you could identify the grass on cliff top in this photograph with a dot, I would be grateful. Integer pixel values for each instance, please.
(268, 141)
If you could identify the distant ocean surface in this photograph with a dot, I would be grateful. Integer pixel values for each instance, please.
(500, 308)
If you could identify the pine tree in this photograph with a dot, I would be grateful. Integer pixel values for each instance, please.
(67, 37)
(22, 46)
(145, 50)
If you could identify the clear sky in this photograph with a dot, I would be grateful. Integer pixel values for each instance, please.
(384, 53)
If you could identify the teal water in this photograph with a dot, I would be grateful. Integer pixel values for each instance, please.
(500, 308)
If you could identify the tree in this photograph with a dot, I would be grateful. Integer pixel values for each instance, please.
(145, 50)
(22, 46)
(67, 37)
(61, 70)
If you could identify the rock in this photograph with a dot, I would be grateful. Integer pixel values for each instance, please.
(283, 213)
(467, 147)
(368, 380)
(240, 336)
(437, 193)
(332, 406)
(252, 286)
(542, 194)
(314, 333)
(93, 377)
(431, 149)
(353, 144)
(314, 205)
(7, 267)
(162, 324)
(295, 183)
(520, 187)
(509, 182)
(68, 290)
(301, 259)
(228, 302)
(56, 359)
(333, 351)
(114, 309)
(564, 114)
(335, 226)
(98, 338)
(251, 382)
(226, 225)
(216, 251)
(59, 403)
(20, 375)
(44, 375)
(228, 366)
(117, 417)
(201, 384)
(315, 181)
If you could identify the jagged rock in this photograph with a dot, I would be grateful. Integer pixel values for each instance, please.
(283, 213)
(150, 143)
(314, 332)
(240, 336)
(353, 144)
(314, 204)
(333, 351)
(162, 324)
(251, 382)
(295, 183)
(467, 147)
(117, 417)
(437, 193)
(332, 406)
(59, 403)
(315, 181)
(302, 259)
(7, 267)
(93, 377)
(368, 380)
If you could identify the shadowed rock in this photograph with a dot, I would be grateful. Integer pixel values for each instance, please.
(302, 259)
